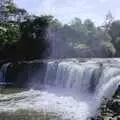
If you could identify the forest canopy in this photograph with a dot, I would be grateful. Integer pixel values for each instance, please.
(25, 37)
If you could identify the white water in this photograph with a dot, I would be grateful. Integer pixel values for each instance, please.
(72, 89)
(3, 72)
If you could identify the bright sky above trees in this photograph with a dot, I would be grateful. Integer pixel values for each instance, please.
(65, 10)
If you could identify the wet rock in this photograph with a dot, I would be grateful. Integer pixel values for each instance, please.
(117, 93)
(114, 105)
(25, 74)
(110, 109)
(96, 118)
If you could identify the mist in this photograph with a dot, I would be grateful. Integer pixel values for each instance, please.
(58, 64)
(79, 39)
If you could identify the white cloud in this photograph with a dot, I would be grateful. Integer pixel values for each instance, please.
(103, 1)
(65, 9)
(31, 5)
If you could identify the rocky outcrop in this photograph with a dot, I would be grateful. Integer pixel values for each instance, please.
(110, 108)
(25, 74)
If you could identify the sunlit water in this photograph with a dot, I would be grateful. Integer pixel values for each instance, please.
(71, 89)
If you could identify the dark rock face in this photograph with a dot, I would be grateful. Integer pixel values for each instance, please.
(23, 74)
(117, 93)
(96, 118)
(110, 109)
(114, 106)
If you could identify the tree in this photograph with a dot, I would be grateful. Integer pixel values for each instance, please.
(6, 8)
(114, 32)
(107, 23)
(77, 25)
(9, 34)
(89, 26)
(109, 49)
(34, 42)
(10, 12)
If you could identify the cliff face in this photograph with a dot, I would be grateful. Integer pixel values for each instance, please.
(22, 74)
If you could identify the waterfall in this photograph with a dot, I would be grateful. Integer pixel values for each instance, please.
(72, 88)
(91, 80)
(90, 76)
(75, 76)
(3, 73)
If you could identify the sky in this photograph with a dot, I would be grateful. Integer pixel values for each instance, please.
(66, 10)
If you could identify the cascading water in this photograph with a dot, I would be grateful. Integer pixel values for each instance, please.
(2, 73)
(72, 89)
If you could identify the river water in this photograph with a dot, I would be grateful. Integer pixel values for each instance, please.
(72, 89)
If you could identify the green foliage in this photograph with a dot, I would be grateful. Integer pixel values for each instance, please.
(114, 32)
(24, 36)
(10, 12)
(33, 41)
(79, 46)
(109, 49)
(10, 33)
(89, 26)
(11, 8)
(115, 29)
(77, 25)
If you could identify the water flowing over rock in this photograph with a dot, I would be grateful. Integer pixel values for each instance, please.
(3, 71)
(71, 88)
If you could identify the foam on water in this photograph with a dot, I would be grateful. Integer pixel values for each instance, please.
(65, 106)
(72, 89)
